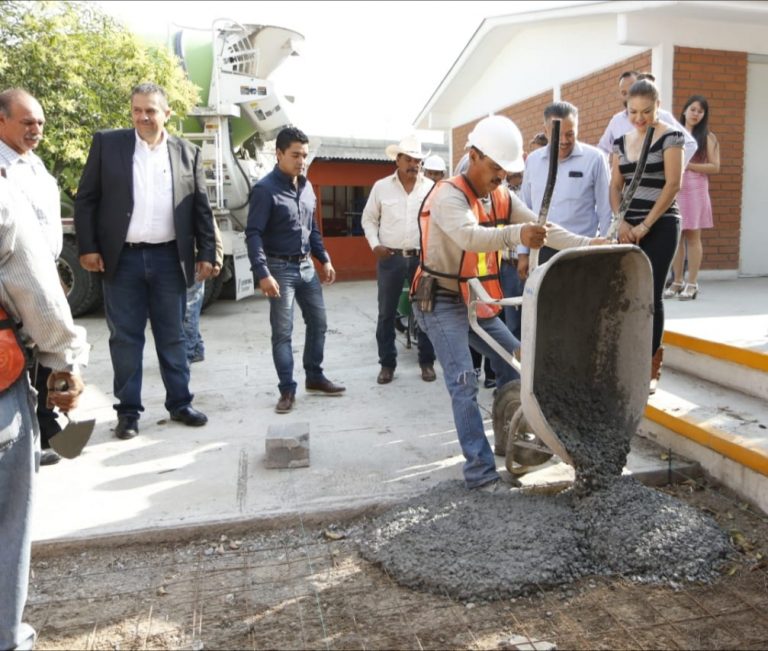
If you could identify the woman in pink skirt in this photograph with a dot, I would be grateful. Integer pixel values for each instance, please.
(693, 198)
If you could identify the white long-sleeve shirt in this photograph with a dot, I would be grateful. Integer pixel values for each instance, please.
(391, 215)
(28, 175)
(30, 290)
(454, 229)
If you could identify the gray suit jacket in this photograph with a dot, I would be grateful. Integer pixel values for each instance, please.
(104, 202)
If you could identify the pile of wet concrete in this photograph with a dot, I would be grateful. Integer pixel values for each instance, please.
(475, 545)
(472, 544)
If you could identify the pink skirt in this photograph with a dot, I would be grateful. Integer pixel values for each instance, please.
(694, 203)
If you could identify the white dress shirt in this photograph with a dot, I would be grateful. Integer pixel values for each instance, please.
(152, 218)
(620, 125)
(28, 176)
(391, 215)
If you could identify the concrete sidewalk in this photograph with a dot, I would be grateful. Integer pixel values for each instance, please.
(374, 444)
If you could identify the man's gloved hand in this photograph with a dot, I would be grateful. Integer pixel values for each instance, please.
(64, 389)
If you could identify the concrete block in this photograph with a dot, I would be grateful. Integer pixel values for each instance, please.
(287, 445)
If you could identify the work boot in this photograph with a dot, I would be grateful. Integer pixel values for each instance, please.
(656, 363)
(427, 373)
(286, 402)
(324, 385)
(386, 374)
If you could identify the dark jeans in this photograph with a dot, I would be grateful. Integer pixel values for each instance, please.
(391, 274)
(298, 281)
(148, 283)
(660, 244)
(448, 328)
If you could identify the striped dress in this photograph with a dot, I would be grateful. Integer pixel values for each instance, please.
(695, 205)
(653, 179)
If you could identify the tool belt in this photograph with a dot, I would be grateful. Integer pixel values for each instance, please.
(13, 358)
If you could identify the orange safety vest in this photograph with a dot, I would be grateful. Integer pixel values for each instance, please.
(484, 266)
(13, 359)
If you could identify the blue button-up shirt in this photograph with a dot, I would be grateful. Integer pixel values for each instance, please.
(580, 202)
(281, 221)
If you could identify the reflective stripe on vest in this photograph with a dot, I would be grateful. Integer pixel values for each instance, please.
(484, 265)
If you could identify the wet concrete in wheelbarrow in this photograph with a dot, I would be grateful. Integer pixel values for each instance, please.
(475, 545)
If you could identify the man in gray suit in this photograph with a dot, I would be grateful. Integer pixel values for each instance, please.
(142, 218)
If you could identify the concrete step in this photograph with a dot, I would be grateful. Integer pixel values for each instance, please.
(711, 407)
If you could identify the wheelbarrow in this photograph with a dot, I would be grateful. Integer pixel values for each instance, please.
(586, 337)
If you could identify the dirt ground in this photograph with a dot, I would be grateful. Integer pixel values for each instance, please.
(308, 588)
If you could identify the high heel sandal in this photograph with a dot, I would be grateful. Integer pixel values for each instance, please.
(690, 292)
(673, 290)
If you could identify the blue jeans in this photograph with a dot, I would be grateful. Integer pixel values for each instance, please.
(148, 283)
(18, 447)
(195, 343)
(450, 334)
(391, 274)
(298, 281)
(511, 286)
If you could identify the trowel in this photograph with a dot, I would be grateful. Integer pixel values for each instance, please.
(70, 441)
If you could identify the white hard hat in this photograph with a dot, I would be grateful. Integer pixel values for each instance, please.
(434, 163)
(499, 139)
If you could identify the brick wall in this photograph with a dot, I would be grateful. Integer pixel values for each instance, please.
(596, 95)
(722, 78)
(527, 115)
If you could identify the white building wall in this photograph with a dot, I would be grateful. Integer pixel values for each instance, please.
(754, 203)
(533, 61)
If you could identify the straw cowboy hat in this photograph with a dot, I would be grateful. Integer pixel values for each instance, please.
(410, 146)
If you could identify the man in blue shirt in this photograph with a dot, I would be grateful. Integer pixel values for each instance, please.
(580, 202)
(282, 235)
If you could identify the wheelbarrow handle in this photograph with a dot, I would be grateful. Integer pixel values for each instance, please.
(478, 295)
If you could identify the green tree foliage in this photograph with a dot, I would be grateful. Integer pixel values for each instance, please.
(80, 64)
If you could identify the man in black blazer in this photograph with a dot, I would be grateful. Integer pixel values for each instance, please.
(142, 218)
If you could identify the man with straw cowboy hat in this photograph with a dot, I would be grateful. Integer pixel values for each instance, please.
(391, 224)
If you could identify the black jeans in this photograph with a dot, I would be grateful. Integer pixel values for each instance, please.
(659, 244)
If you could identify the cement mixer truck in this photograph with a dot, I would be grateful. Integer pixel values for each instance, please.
(231, 64)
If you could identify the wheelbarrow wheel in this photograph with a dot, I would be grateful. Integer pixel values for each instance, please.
(513, 438)
(506, 401)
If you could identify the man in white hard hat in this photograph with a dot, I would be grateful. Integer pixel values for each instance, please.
(391, 224)
(434, 168)
(458, 245)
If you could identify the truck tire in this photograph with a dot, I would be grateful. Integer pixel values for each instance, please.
(82, 287)
(212, 290)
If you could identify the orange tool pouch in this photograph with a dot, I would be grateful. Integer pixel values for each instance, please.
(13, 359)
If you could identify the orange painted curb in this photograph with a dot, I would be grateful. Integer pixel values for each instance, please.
(743, 356)
(730, 446)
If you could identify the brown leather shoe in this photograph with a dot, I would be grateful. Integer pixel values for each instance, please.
(428, 373)
(286, 402)
(386, 374)
(324, 386)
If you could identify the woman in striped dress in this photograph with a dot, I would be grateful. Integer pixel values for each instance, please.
(695, 206)
(652, 221)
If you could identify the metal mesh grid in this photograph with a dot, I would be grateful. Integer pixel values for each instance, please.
(296, 589)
